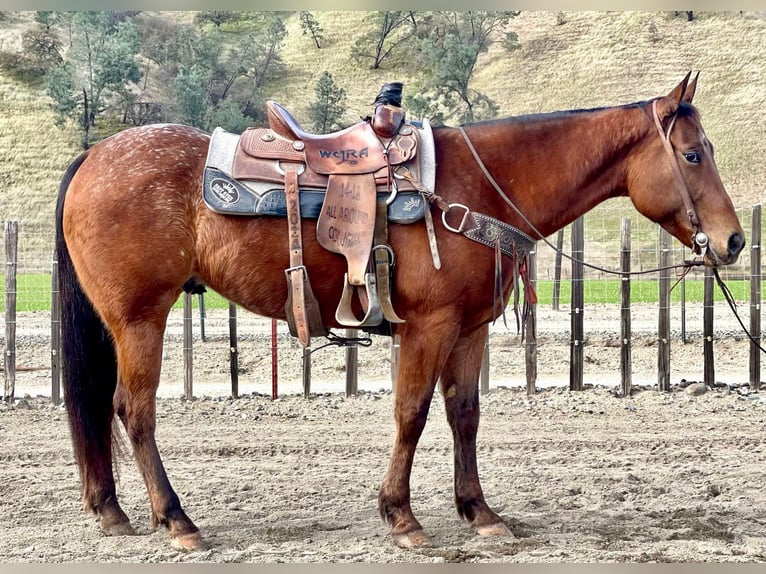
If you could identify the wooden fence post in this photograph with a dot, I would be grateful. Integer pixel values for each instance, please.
(201, 300)
(11, 265)
(306, 372)
(55, 335)
(626, 362)
(394, 361)
(557, 270)
(576, 344)
(233, 351)
(352, 365)
(530, 349)
(755, 299)
(663, 327)
(484, 373)
(683, 309)
(188, 352)
(707, 329)
(274, 364)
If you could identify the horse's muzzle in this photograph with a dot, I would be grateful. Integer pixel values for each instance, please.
(734, 247)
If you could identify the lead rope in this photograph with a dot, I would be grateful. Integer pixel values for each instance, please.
(733, 306)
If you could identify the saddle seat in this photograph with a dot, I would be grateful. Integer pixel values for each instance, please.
(284, 124)
(355, 150)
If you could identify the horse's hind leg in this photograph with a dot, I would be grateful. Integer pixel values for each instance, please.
(459, 385)
(139, 356)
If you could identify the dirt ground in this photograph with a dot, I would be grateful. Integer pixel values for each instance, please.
(578, 476)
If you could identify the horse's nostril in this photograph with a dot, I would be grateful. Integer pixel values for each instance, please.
(736, 243)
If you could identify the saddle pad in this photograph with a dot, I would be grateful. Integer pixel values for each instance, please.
(228, 196)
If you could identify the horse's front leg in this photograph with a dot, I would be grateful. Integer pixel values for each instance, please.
(460, 388)
(425, 345)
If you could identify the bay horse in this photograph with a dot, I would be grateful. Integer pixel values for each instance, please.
(132, 230)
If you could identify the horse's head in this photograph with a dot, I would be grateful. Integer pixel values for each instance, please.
(675, 182)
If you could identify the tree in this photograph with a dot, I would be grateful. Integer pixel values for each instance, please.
(215, 18)
(267, 47)
(230, 117)
(41, 47)
(422, 104)
(223, 67)
(40, 51)
(100, 67)
(390, 32)
(62, 90)
(329, 106)
(449, 54)
(688, 13)
(511, 42)
(190, 92)
(311, 27)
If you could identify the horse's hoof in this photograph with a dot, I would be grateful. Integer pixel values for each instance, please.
(188, 542)
(497, 529)
(111, 528)
(413, 539)
(118, 529)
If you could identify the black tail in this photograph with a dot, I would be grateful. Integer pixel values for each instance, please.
(88, 360)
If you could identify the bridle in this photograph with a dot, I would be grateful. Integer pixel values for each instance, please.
(699, 239)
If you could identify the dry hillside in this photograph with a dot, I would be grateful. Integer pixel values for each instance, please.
(567, 60)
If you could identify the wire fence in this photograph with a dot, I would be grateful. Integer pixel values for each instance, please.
(602, 247)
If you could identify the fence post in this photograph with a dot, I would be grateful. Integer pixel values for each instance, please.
(233, 352)
(55, 335)
(352, 364)
(484, 373)
(306, 372)
(557, 270)
(274, 365)
(394, 361)
(11, 264)
(530, 349)
(683, 309)
(626, 360)
(202, 317)
(663, 326)
(707, 329)
(755, 299)
(188, 352)
(576, 344)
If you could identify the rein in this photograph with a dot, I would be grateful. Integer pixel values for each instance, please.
(733, 306)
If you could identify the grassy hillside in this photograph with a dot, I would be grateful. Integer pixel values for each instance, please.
(567, 60)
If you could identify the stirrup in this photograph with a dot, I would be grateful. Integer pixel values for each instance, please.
(374, 315)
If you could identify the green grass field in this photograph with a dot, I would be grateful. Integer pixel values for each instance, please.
(34, 292)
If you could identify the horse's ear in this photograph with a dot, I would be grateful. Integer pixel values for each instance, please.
(668, 105)
(691, 87)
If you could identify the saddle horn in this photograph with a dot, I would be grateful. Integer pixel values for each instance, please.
(389, 115)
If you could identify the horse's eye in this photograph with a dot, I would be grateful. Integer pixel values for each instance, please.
(692, 156)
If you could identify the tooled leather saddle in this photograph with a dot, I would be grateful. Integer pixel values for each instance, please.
(354, 181)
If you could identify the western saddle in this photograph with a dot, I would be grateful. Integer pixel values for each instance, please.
(361, 169)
